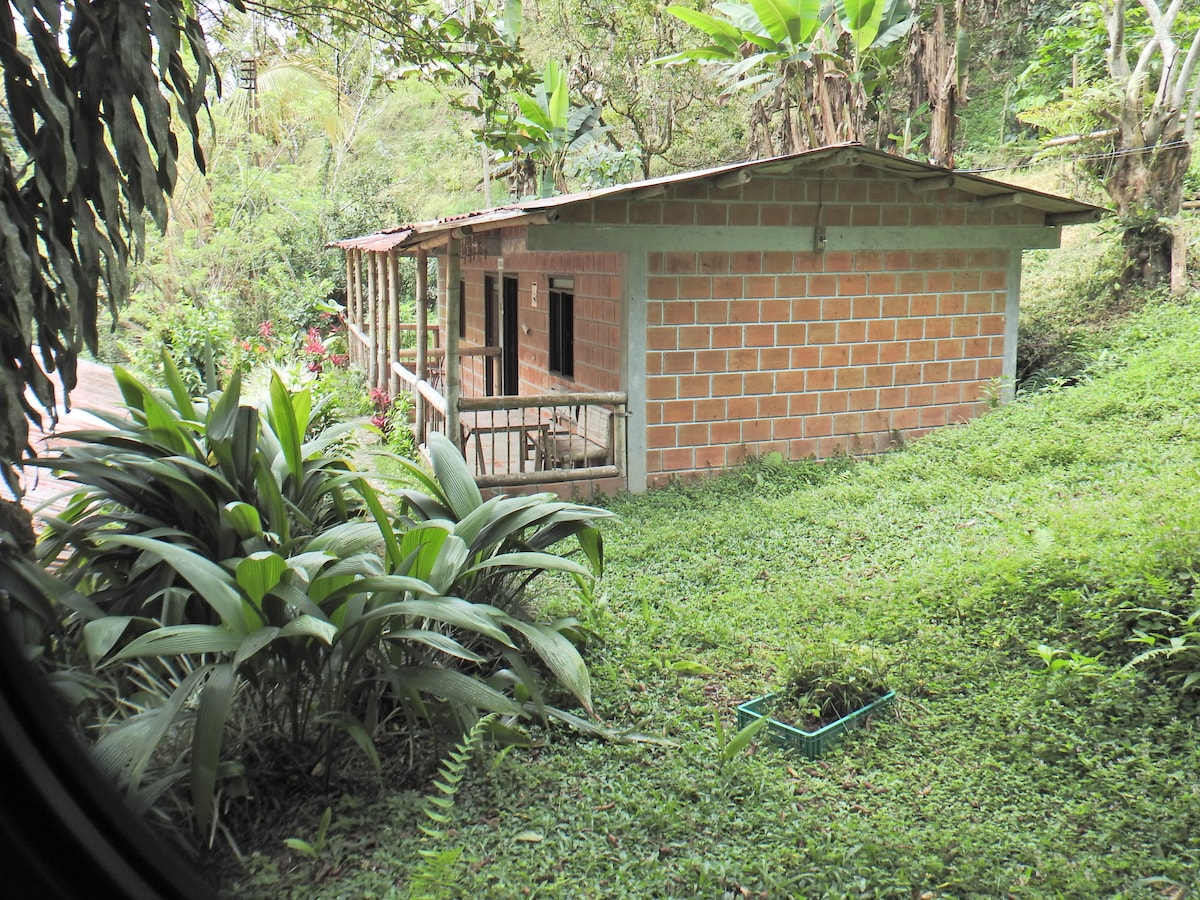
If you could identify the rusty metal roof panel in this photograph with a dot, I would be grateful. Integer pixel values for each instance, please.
(380, 242)
(426, 233)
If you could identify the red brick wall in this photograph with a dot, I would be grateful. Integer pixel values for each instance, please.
(813, 353)
(598, 291)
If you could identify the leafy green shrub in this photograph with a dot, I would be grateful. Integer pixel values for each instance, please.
(201, 338)
(208, 340)
(499, 528)
(231, 598)
(829, 680)
(1072, 299)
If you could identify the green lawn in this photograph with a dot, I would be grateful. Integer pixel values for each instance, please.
(1068, 519)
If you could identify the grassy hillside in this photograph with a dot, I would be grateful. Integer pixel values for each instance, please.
(1067, 521)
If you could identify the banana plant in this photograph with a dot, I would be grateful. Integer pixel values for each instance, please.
(805, 60)
(547, 129)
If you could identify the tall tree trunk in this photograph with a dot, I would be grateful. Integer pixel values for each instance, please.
(1152, 149)
(937, 78)
(1147, 185)
(523, 177)
(761, 146)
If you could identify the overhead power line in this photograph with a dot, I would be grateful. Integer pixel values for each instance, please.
(1084, 157)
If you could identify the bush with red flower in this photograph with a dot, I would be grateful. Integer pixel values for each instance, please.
(316, 354)
(391, 416)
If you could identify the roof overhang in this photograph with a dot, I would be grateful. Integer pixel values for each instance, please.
(922, 176)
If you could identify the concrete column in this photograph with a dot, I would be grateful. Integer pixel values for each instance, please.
(634, 368)
(1011, 321)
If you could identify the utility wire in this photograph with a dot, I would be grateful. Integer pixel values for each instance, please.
(1086, 157)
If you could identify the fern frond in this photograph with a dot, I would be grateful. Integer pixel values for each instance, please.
(435, 873)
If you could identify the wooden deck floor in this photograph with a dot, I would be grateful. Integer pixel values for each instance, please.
(97, 390)
(502, 441)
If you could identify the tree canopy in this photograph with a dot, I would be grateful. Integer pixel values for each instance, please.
(94, 94)
(1132, 98)
(95, 97)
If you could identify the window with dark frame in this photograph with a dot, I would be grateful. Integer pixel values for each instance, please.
(462, 309)
(562, 327)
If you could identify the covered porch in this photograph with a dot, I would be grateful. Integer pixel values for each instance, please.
(511, 432)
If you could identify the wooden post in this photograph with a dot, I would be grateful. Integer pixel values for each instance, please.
(421, 293)
(394, 317)
(378, 326)
(349, 301)
(382, 308)
(352, 301)
(360, 305)
(620, 453)
(1179, 254)
(453, 275)
(368, 322)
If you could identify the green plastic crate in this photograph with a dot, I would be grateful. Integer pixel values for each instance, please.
(811, 743)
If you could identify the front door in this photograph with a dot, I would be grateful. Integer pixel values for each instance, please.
(508, 338)
(490, 315)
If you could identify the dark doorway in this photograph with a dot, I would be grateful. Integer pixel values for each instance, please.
(490, 317)
(508, 338)
(562, 327)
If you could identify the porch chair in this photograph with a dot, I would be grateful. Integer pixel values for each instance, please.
(579, 438)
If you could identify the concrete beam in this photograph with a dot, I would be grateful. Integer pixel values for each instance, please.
(657, 238)
(936, 183)
(731, 179)
(1086, 217)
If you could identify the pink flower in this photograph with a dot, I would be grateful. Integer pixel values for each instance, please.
(340, 360)
(380, 399)
(265, 329)
(315, 366)
(380, 421)
(314, 345)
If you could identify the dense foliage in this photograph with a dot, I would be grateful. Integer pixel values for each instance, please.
(89, 149)
(1130, 100)
(233, 606)
(817, 75)
(296, 163)
(659, 119)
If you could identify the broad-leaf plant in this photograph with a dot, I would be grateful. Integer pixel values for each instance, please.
(231, 596)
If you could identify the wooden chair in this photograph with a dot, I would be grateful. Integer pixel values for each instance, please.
(580, 438)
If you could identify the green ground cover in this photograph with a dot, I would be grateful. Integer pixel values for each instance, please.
(1067, 522)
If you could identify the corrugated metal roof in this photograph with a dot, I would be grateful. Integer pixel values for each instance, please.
(427, 233)
(381, 241)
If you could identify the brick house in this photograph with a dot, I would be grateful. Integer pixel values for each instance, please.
(833, 301)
